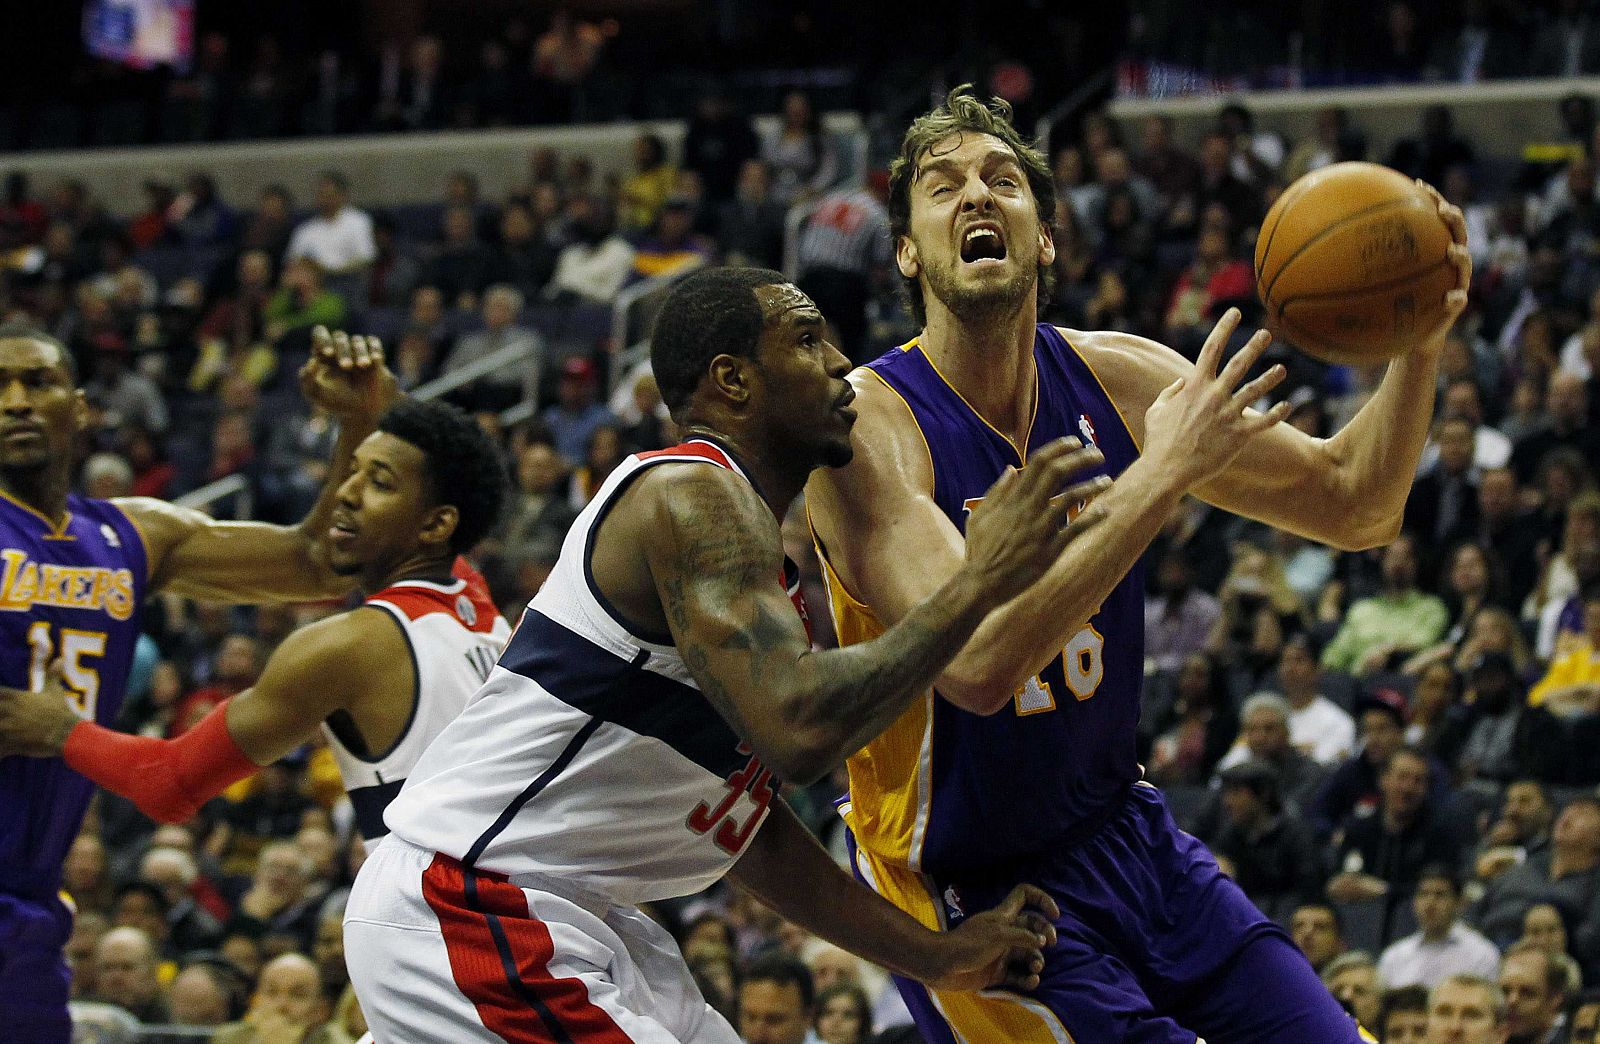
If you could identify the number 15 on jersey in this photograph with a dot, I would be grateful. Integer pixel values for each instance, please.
(81, 678)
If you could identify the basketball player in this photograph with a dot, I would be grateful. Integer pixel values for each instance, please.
(75, 572)
(381, 680)
(1020, 762)
(629, 743)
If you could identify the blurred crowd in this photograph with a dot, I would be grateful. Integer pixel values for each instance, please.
(1391, 41)
(1394, 751)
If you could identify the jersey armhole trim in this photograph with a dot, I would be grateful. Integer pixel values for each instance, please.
(390, 613)
(933, 490)
(1087, 365)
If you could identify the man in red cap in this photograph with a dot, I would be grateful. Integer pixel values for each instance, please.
(577, 412)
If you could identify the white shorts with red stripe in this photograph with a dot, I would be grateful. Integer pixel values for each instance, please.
(440, 953)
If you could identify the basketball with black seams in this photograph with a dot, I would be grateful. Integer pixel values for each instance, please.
(1353, 264)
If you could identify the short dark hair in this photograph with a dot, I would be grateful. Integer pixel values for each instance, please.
(713, 312)
(1440, 872)
(1320, 904)
(336, 179)
(783, 970)
(21, 330)
(464, 468)
(144, 888)
(964, 111)
(1403, 999)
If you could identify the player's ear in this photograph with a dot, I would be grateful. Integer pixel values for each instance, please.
(905, 257)
(730, 376)
(1047, 243)
(80, 411)
(440, 525)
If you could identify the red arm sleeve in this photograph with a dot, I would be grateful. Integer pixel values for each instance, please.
(168, 779)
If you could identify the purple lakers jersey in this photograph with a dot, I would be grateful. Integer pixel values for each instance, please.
(71, 594)
(945, 791)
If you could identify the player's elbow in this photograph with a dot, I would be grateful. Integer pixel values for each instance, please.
(1359, 534)
(803, 760)
(983, 697)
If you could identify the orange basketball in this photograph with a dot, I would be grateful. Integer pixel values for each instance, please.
(1353, 264)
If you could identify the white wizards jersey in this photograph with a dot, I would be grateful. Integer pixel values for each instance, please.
(590, 754)
(455, 634)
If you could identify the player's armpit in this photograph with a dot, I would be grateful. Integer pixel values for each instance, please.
(347, 662)
(247, 562)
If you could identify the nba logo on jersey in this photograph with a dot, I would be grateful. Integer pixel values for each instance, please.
(1086, 426)
(952, 905)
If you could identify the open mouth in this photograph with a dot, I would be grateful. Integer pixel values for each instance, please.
(983, 242)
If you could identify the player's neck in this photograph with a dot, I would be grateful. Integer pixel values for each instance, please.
(44, 490)
(777, 486)
(434, 569)
(989, 362)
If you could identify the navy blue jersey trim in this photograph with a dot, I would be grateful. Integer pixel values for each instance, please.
(508, 963)
(602, 684)
(370, 803)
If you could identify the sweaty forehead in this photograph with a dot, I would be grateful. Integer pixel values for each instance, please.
(778, 299)
(21, 352)
(962, 148)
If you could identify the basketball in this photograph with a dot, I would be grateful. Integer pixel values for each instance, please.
(1353, 264)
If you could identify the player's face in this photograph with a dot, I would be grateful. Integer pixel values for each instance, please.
(975, 238)
(41, 412)
(806, 398)
(1459, 1013)
(382, 509)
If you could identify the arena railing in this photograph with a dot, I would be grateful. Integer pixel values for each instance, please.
(238, 486)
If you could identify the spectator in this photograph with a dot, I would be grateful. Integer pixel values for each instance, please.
(1404, 1018)
(1272, 854)
(282, 899)
(1317, 725)
(1382, 855)
(1316, 929)
(1497, 744)
(508, 384)
(1544, 927)
(843, 256)
(1179, 617)
(646, 189)
(271, 226)
(600, 458)
(1213, 281)
(1194, 732)
(1521, 830)
(844, 1014)
(125, 974)
(1352, 978)
(1511, 533)
(1402, 619)
(672, 245)
(1568, 44)
(189, 925)
(1572, 684)
(750, 225)
(126, 395)
(1466, 1010)
(1566, 874)
(1535, 986)
(577, 413)
(1439, 721)
(1443, 505)
(1264, 736)
(717, 145)
(206, 993)
(459, 266)
(1567, 406)
(20, 214)
(775, 1001)
(1442, 946)
(199, 217)
(339, 238)
(303, 300)
(800, 156)
(287, 1004)
(1353, 787)
(596, 264)
(1586, 1018)
(563, 58)
(524, 257)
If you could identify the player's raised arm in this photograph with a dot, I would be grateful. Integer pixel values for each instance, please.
(786, 869)
(716, 559)
(194, 554)
(318, 669)
(892, 545)
(1348, 491)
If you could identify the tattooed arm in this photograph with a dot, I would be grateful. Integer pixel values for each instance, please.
(716, 557)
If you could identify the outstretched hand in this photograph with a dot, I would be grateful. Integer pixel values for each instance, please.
(1456, 299)
(1023, 523)
(1200, 422)
(1000, 947)
(346, 375)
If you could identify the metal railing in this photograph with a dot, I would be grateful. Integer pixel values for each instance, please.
(239, 486)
